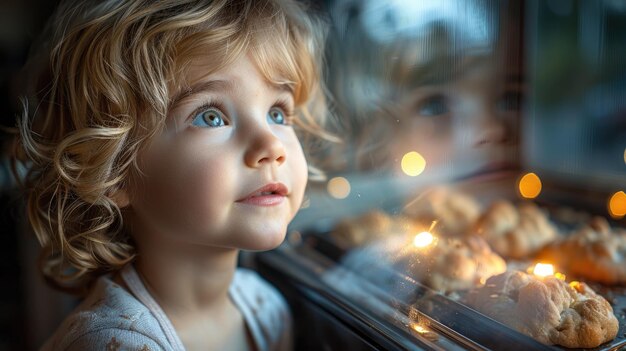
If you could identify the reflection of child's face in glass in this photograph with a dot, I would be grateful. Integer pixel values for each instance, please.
(463, 129)
(228, 171)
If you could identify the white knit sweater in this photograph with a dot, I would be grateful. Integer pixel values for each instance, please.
(112, 318)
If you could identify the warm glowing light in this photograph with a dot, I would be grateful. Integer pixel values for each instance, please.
(529, 186)
(617, 205)
(576, 285)
(423, 239)
(418, 328)
(559, 276)
(624, 155)
(413, 164)
(543, 269)
(425, 332)
(338, 187)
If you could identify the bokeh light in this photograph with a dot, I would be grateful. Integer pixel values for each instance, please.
(413, 164)
(338, 187)
(617, 205)
(529, 186)
(543, 269)
(423, 239)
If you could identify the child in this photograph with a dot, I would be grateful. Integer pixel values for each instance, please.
(435, 79)
(163, 143)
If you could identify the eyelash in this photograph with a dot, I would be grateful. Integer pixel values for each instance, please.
(289, 113)
(210, 104)
(282, 104)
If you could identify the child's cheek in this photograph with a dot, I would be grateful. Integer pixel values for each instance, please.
(299, 173)
(188, 186)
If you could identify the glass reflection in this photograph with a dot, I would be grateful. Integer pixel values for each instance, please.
(440, 80)
(430, 93)
(432, 101)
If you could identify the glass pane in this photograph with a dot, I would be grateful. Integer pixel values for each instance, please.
(481, 172)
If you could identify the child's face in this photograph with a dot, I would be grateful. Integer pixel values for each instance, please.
(465, 129)
(228, 171)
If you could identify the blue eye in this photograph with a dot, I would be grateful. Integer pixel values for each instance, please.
(276, 116)
(433, 106)
(210, 118)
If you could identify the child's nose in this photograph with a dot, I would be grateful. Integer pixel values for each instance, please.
(489, 127)
(493, 132)
(264, 148)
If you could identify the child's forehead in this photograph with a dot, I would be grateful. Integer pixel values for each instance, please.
(202, 76)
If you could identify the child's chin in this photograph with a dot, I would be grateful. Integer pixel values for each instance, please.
(264, 243)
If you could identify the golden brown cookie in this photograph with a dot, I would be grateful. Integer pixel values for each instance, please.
(547, 309)
(357, 231)
(453, 211)
(594, 252)
(450, 264)
(514, 232)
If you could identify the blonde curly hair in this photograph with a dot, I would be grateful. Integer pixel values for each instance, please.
(110, 71)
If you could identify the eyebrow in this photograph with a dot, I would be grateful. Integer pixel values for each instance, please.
(202, 87)
(216, 85)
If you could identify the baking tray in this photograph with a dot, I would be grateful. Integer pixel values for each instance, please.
(448, 316)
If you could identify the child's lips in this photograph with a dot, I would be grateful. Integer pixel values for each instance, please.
(268, 195)
(492, 171)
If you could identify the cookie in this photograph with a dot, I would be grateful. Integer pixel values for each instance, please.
(596, 252)
(514, 231)
(547, 309)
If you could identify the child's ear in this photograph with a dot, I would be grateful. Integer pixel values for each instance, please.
(120, 197)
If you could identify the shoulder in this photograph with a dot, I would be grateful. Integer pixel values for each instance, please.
(266, 306)
(111, 339)
(111, 318)
(260, 294)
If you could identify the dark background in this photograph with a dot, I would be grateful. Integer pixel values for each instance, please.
(20, 312)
